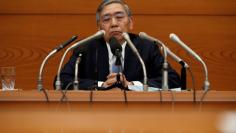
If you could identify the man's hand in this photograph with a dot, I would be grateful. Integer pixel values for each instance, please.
(112, 79)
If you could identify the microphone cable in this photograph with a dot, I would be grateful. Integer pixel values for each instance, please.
(204, 94)
(46, 95)
(64, 97)
(52, 53)
(76, 81)
(64, 92)
(121, 69)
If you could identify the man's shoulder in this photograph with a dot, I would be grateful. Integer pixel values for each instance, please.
(92, 44)
(140, 42)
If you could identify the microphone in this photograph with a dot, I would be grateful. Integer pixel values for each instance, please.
(116, 49)
(176, 58)
(169, 52)
(165, 64)
(98, 34)
(54, 51)
(172, 55)
(176, 39)
(60, 47)
(76, 81)
(131, 45)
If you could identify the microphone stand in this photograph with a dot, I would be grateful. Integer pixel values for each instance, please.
(53, 52)
(176, 39)
(183, 75)
(96, 35)
(76, 81)
(131, 45)
(165, 64)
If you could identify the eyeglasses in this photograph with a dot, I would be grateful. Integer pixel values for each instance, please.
(119, 16)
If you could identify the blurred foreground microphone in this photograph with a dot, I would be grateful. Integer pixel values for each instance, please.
(176, 39)
(99, 34)
(131, 45)
(172, 55)
(60, 47)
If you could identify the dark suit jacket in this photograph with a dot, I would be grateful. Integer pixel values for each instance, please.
(94, 64)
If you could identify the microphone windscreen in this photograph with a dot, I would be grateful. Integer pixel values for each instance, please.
(115, 45)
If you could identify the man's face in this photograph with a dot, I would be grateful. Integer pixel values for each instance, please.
(114, 20)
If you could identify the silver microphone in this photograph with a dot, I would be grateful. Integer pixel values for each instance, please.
(131, 45)
(165, 64)
(168, 51)
(176, 58)
(76, 81)
(176, 39)
(99, 34)
(53, 52)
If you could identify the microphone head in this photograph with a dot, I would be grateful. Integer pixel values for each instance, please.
(126, 36)
(100, 33)
(66, 43)
(174, 37)
(142, 34)
(115, 46)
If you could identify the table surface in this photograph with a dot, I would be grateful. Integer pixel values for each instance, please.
(118, 95)
(27, 111)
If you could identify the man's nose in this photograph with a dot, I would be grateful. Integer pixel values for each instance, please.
(114, 21)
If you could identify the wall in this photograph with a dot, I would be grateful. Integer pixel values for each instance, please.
(29, 29)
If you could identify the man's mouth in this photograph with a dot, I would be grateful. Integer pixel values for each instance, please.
(115, 33)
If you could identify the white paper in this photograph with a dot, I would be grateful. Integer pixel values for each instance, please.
(140, 88)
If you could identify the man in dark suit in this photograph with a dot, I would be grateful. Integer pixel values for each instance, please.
(96, 66)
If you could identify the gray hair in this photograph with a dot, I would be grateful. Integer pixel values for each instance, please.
(107, 2)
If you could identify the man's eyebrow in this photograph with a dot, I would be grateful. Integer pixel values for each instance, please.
(107, 14)
(118, 12)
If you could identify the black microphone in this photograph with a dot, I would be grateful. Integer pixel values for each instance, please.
(53, 52)
(116, 49)
(60, 47)
(98, 34)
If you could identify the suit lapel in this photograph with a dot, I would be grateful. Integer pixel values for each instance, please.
(130, 63)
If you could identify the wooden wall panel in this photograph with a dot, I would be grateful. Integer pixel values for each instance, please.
(213, 7)
(29, 29)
